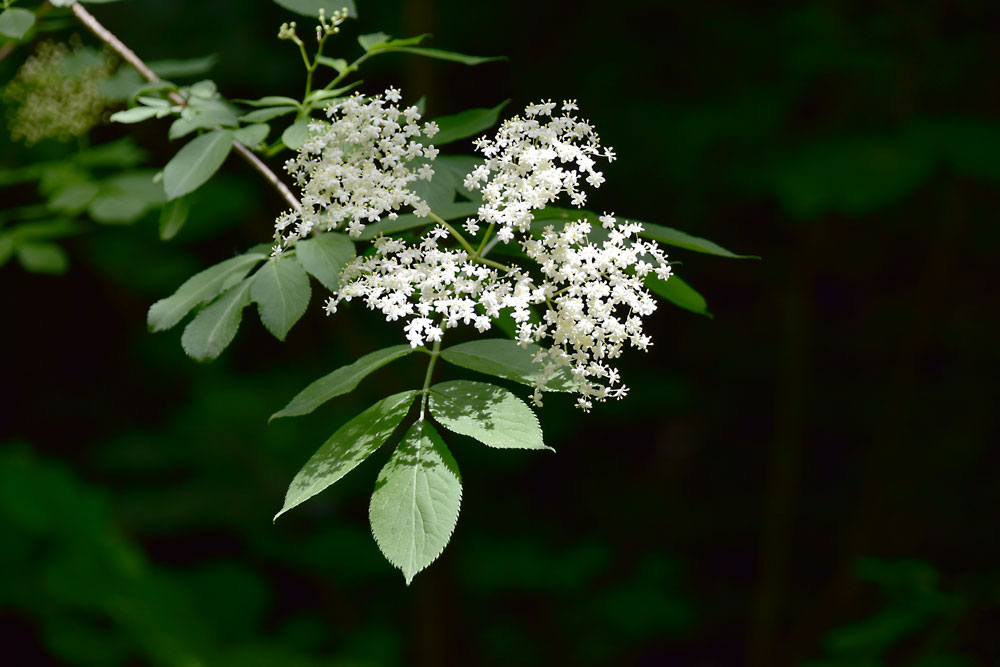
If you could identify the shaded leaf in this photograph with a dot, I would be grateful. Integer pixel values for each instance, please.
(506, 359)
(251, 135)
(199, 289)
(281, 291)
(490, 414)
(679, 293)
(371, 40)
(213, 329)
(196, 162)
(416, 502)
(134, 115)
(296, 134)
(311, 7)
(173, 216)
(266, 113)
(324, 257)
(676, 237)
(341, 381)
(441, 55)
(42, 258)
(16, 22)
(459, 209)
(466, 124)
(350, 445)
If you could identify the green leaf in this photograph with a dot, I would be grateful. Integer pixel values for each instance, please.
(506, 359)
(371, 40)
(296, 134)
(350, 445)
(271, 101)
(6, 247)
(42, 258)
(341, 381)
(324, 257)
(214, 328)
(134, 115)
(490, 414)
(180, 128)
(267, 113)
(179, 69)
(465, 124)
(339, 64)
(679, 293)
(311, 7)
(125, 198)
(173, 216)
(15, 23)
(417, 498)
(321, 95)
(442, 55)
(252, 135)
(281, 292)
(74, 198)
(196, 162)
(117, 209)
(200, 288)
(454, 210)
(676, 237)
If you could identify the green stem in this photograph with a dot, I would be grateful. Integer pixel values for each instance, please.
(473, 254)
(454, 232)
(435, 353)
(486, 237)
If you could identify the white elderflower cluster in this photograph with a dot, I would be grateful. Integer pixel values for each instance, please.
(596, 302)
(531, 162)
(587, 283)
(357, 167)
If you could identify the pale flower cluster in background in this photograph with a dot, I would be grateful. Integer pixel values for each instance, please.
(357, 168)
(586, 283)
(56, 93)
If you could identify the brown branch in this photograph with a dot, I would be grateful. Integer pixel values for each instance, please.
(129, 56)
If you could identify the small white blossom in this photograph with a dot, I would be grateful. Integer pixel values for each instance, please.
(357, 167)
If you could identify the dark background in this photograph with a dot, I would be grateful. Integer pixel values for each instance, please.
(807, 478)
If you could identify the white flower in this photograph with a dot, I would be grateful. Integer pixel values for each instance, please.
(357, 167)
(580, 295)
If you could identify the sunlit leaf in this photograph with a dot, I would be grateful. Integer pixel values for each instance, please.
(350, 445)
(490, 414)
(416, 502)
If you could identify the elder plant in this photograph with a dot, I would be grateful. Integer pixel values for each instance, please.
(495, 246)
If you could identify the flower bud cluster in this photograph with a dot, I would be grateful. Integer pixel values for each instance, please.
(56, 93)
(358, 167)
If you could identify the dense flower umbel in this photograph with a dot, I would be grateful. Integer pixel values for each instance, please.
(587, 282)
(358, 167)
